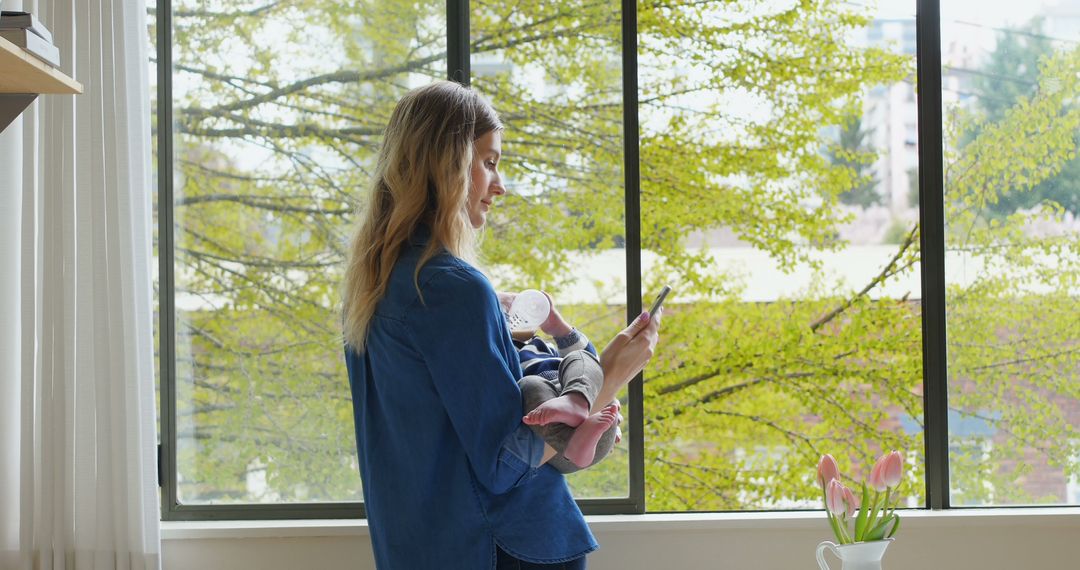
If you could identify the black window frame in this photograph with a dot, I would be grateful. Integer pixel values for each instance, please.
(931, 216)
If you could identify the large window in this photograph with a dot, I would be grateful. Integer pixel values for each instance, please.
(777, 198)
(772, 180)
(562, 224)
(1011, 73)
(278, 108)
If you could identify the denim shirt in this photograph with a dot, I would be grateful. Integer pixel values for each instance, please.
(448, 469)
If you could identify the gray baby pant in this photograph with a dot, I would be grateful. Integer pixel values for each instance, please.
(580, 372)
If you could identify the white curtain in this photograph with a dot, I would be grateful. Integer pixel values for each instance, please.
(78, 474)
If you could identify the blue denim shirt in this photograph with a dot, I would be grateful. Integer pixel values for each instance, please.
(449, 470)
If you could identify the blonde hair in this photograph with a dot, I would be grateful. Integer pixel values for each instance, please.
(422, 177)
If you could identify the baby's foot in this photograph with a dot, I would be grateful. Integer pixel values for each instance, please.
(570, 409)
(581, 449)
(615, 406)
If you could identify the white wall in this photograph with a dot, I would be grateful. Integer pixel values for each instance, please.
(955, 540)
(11, 189)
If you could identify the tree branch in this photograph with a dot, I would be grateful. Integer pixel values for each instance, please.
(260, 202)
(259, 10)
(887, 272)
(792, 436)
(256, 127)
(342, 76)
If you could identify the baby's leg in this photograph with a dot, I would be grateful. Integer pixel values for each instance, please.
(581, 450)
(581, 377)
(535, 391)
(608, 440)
(603, 448)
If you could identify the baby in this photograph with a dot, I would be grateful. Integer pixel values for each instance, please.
(559, 388)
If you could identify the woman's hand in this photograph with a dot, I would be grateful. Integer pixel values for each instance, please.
(627, 354)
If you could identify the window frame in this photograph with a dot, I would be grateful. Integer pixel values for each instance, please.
(931, 216)
(932, 252)
(458, 69)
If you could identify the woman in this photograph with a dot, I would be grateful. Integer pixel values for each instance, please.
(452, 478)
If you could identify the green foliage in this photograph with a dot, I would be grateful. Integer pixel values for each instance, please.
(853, 152)
(1009, 78)
(279, 109)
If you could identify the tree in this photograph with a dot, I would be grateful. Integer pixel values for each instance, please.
(275, 145)
(853, 152)
(1013, 355)
(1011, 74)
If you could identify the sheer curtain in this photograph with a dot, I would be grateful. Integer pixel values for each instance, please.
(78, 476)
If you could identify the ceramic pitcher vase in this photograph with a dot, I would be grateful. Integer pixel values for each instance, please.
(858, 556)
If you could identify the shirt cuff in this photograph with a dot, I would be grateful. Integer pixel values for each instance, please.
(525, 445)
(571, 342)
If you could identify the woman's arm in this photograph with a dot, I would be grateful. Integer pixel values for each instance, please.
(626, 355)
(459, 332)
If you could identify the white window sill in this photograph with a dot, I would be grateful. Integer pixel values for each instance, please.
(1058, 517)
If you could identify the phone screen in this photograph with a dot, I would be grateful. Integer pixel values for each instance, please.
(660, 299)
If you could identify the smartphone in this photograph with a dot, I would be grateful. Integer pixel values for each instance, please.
(659, 300)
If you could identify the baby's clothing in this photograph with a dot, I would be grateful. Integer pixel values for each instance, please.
(551, 371)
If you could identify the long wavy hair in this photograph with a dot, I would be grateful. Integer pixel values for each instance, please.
(422, 177)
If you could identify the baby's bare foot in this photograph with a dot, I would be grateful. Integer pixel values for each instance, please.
(570, 409)
(581, 449)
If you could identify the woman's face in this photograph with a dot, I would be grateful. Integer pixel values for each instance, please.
(486, 183)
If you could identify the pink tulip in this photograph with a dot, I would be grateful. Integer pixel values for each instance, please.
(892, 470)
(886, 472)
(827, 470)
(877, 478)
(834, 498)
(851, 501)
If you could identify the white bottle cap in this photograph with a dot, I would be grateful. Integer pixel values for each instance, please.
(529, 310)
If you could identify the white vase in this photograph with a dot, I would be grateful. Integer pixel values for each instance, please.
(857, 556)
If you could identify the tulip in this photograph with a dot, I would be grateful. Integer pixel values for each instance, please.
(834, 498)
(851, 501)
(892, 469)
(887, 472)
(877, 476)
(879, 520)
(827, 470)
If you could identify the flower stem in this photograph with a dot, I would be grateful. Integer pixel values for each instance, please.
(873, 515)
(843, 530)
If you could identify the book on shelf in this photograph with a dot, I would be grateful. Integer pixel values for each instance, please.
(10, 20)
(34, 44)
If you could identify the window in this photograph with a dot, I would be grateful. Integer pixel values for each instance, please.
(782, 219)
(277, 115)
(1012, 196)
(767, 175)
(562, 224)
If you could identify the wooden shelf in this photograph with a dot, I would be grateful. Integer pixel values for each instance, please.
(21, 72)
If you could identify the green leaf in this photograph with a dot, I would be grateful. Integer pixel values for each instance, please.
(892, 531)
(864, 509)
(878, 531)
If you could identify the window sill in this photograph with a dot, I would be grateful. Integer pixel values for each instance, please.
(688, 522)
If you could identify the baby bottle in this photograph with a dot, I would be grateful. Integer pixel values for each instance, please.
(528, 311)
